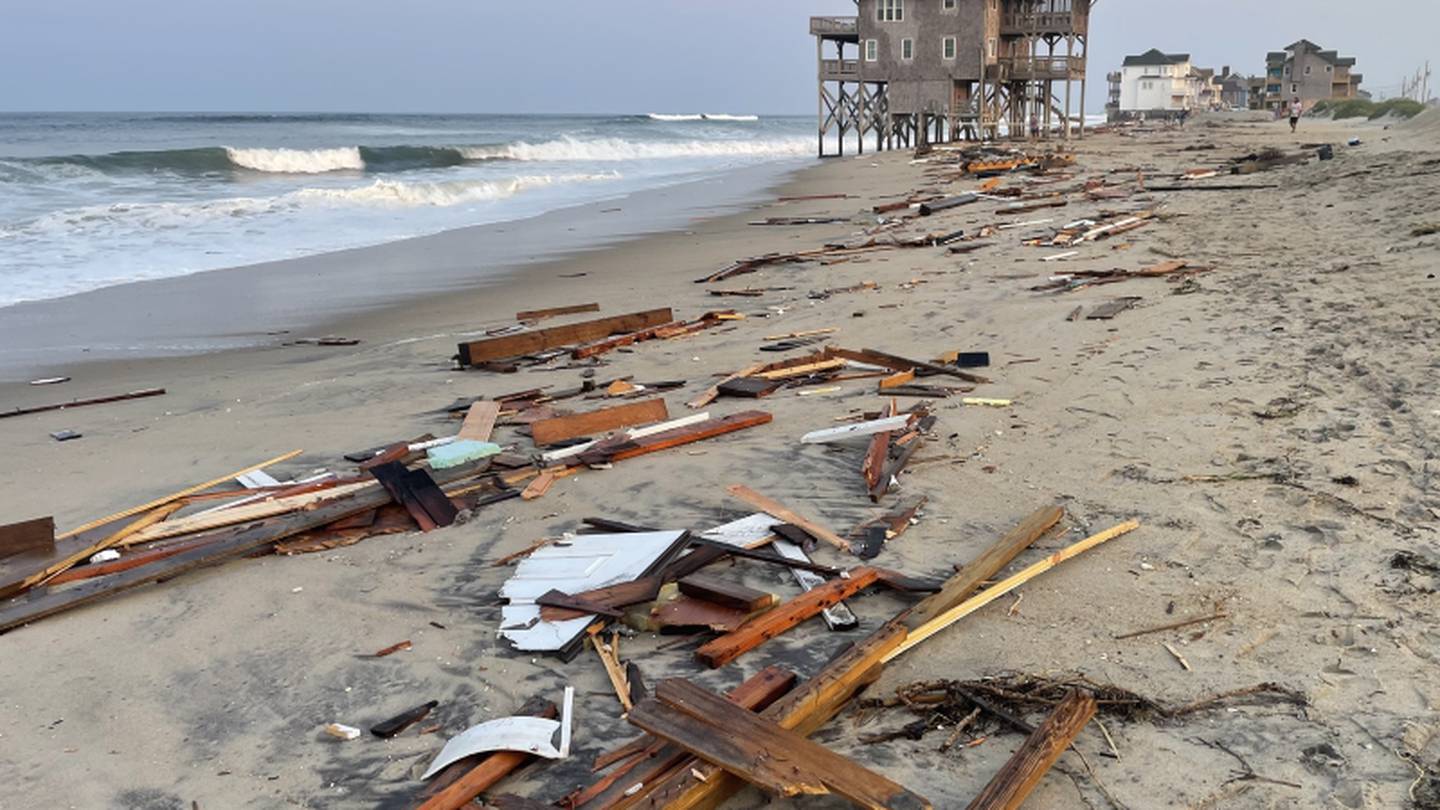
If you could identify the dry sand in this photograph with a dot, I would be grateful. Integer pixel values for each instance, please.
(1320, 314)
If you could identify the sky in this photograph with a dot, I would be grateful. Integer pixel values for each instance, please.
(582, 56)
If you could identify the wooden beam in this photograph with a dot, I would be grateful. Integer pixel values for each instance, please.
(562, 428)
(78, 403)
(483, 776)
(674, 438)
(762, 752)
(776, 509)
(722, 592)
(896, 363)
(480, 421)
(1022, 773)
(539, 340)
(552, 312)
(721, 651)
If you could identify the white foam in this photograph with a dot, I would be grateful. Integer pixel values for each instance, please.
(297, 161)
(701, 117)
(610, 149)
(455, 192)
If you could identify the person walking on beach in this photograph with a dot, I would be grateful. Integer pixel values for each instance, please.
(1294, 113)
(1034, 127)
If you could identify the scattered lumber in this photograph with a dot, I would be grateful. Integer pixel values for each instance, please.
(542, 314)
(935, 206)
(563, 428)
(464, 785)
(897, 363)
(418, 493)
(778, 510)
(729, 594)
(539, 340)
(710, 428)
(868, 538)
(759, 751)
(721, 651)
(750, 387)
(27, 537)
(709, 395)
(479, 421)
(857, 429)
(392, 727)
(1022, 773)
(797, 221)
(81, 403)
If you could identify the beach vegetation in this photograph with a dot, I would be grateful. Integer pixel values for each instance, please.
(1364, 108)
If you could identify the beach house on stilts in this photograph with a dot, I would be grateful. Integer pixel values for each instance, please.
(905, 72)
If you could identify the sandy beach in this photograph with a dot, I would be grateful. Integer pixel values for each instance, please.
(1270, 421)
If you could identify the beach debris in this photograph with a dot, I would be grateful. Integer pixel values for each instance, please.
(479, 422)
(460, 451)
(859, 429)
(538, 487)
(141, 394)
(394, 648)
(342, 732)
(50, 381)
(869, 537)
(983, 402)
(609, 653)
(936, 206)
(328, 340)
(392, 727)
(724, 649)
(1021, 774)
(728, 594)
(749, 387)
(563, 428)
(108, 555)
(65, 435)
(539, 340)
(716, 730)
(418, 493)
(555, 312)
(1110, 309)
(36, 536)
(536, 736)
(776, 509)
(797, 221)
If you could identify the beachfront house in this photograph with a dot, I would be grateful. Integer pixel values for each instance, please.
(1306, 70)
(905, 72)
(1234, 89)
(1158, 85)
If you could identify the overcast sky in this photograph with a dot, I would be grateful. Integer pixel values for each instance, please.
(575, 55)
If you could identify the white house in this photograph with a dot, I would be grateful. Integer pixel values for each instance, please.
(1158, 83)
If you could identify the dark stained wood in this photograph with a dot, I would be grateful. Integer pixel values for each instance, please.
(772, 623)
(723, 592)
(748, 387)
(542, 314)
(28, 537)
(762, 752)
(436, 504)
(389, 728)
(612, 597)
(675, 438)
(868, 538)
(562, 428)
(407, 491)
(575, 604)
(1014, 782)
(688, 614)
(610, 344)
(80, 403)
(539, 340)
(896, 363)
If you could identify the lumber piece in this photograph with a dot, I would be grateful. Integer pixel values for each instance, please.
(562, 428)
(205, 521)
(897, 363)
(459, 792)
(708, 395)
(898, 378)
(80, 403)
(871, 428)
(936, 206)
(50, 572)
(390, 728)
(762, 752)
(762, 628)
(610, 344)
(417, 492)
(838, 616)
(804, 370)
(674, 438)
(219, 546)
(27, 537)
(999, 589)
(1022, 773)
(776, 509)
(723, 592)
(552, 312)
(984, 568)
(145, 507)
(1110, 309)
(539, 340)
(479, 421)
(125, 563)
(869, 537)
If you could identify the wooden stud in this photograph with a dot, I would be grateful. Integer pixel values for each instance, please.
(778, 510)
(562, 428)
(1021, 774)
(721, 651)
(540, 340)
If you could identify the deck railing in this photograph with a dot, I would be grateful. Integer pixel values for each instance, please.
(1037, 23)
(840, 69)
(833, 26)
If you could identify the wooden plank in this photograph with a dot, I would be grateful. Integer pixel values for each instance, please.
(394, 477)
(803, 370)
(538, 487)
(898, 378)
(235, 515)
(611, 344)
(722, 592)
(479, 422)
(708, 395)
(539, 340)
(562, 428)
(776, 509)
(53, 570)
(896, 363)
(221, 545)
(674, 438)
(762, 752)
(984, 568)
(1022, 773)
(146, 507)
(1110, 309)
(552, 312)
(612, 597)
(691, 614)
(80, 403)
(431, 498)
(28, 537)
(762, 628)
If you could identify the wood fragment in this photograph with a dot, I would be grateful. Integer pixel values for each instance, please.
(456, 793)
(1174, 625)
(80, 403)
(778, 510)
(540, 340)
(722, 592)
(28, 537)
(552, 312)
(479, 422)
(538, 487)
(1170, 648)
(772, 623)
(896, 363)
(394, 648)
(563, 428)
(1021, 774)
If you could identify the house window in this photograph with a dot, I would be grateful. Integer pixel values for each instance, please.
(1294, 88)
(992, 45)
(872, 50)
(1307, 70)
(890, 11)
(948, 47)
(1147, 85)
(947, 5)
(1327, 69)
(907, 49)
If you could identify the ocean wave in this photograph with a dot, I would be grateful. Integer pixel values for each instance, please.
(453, 192)
(700, 117)
(296, 161)
(614, 149)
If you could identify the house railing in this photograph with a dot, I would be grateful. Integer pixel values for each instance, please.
(840, 70)
(834, 26)
(1037, 23)
(1025, 68)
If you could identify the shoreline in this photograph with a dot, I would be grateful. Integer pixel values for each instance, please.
(265, 304)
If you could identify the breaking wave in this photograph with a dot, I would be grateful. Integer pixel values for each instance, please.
(607, 149)
(700, 117)
(453, 192)
(296, 161)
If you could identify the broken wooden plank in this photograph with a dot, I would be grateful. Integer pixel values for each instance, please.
(761, 752)
(80, 403)
(1022, 773)
(459, 792)
(389, 728)
(803, 370)
(479, 421)
(874, 426)
(708, 429)
(53, 570)
(868, 538)
(28, 537)
(723, 592)
(1110, 309)
(538, 487)
(554, 337)
(417, 492)
(708, 395)
(936, 206)
(563, 428)
(896, 363)
(762, 628)
(749, 387)
(776, 509)
(552, 312)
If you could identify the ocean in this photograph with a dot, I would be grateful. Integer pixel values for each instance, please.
(95, 200)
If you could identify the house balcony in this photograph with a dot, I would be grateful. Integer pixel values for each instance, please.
(1037, 23)
(1041, 68)
(840, 70)
(841, 28)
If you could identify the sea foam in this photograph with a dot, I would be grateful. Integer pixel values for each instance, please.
(609, 149)
(297, 161)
